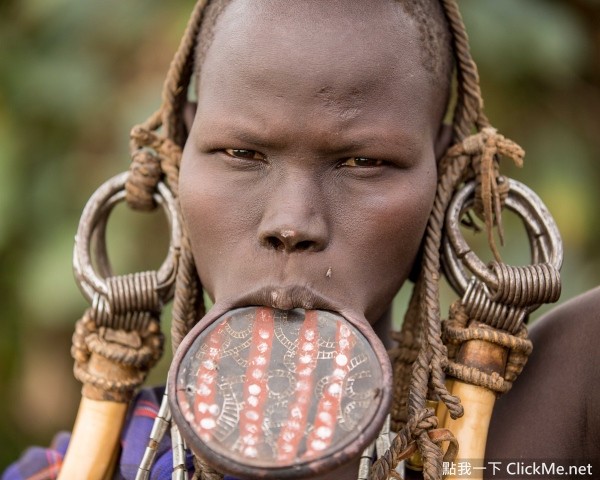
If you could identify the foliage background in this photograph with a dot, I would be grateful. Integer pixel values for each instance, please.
(75, 76)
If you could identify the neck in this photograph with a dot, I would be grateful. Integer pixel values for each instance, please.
(383, 327)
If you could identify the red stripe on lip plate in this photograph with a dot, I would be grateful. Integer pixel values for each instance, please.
(326, 417)
(255, 386)
(292, 432)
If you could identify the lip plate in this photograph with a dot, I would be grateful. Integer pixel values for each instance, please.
(305, 468)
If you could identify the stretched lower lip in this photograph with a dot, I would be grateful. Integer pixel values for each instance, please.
(286, 298)
(231, 356)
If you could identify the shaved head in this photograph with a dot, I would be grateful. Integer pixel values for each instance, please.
(428, 15)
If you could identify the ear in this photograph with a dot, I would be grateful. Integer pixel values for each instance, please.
(189, 113)
(443, 140)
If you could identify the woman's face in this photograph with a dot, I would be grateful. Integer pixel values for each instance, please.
(309, 173)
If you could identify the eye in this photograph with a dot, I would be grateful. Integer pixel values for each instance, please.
(244, 154)
(362, 162)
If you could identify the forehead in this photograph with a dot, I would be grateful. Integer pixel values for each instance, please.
(310, 28)
(348, 56)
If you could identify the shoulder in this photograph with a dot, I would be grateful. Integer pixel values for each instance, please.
(553, 410)
(567, 336)
(574, 320)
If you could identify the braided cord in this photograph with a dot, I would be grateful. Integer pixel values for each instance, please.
(469, 108)
(178, 78)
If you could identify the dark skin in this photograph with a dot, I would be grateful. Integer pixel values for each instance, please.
(311, 167)
(322, 180)
(553, 410)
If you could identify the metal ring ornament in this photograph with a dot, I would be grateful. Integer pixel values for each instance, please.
(457, 257)
(92, 225)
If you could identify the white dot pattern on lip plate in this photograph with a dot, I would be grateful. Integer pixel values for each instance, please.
(328, 408)
(279, 388)
(292, 433)
(205, 409)
(255, 385)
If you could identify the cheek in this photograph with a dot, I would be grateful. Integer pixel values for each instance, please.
(409, 223)
(385, 233)
(386, 217)
(411, 210)
(218, 215)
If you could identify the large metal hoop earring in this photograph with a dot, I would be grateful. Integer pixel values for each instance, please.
(486, 333)
(118, 340)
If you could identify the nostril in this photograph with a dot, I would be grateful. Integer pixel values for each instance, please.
(275, 243)
(288, 244)
(304, 245)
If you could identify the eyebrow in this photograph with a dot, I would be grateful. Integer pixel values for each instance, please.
(249, 135)
(252, 137)
(225, 132)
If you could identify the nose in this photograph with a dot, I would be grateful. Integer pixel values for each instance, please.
(294, 219)
(292, 240)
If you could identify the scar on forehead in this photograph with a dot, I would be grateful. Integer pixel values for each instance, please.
(346, 105)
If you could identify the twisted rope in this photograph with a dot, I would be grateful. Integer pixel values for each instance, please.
(112, 363)
(419, 430)
(469, 107)
(156, 156)
(463, 161)
(485, 149)
(456, 332)
(403, 356)
(178, 78)
(188, 304)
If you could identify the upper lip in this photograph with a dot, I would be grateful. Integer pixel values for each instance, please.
(287, 298)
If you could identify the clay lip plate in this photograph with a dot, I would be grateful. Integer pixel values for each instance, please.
(260, 392)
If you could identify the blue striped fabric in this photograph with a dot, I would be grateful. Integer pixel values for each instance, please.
(44, 463)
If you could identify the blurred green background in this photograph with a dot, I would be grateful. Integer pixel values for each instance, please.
(75, 76)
